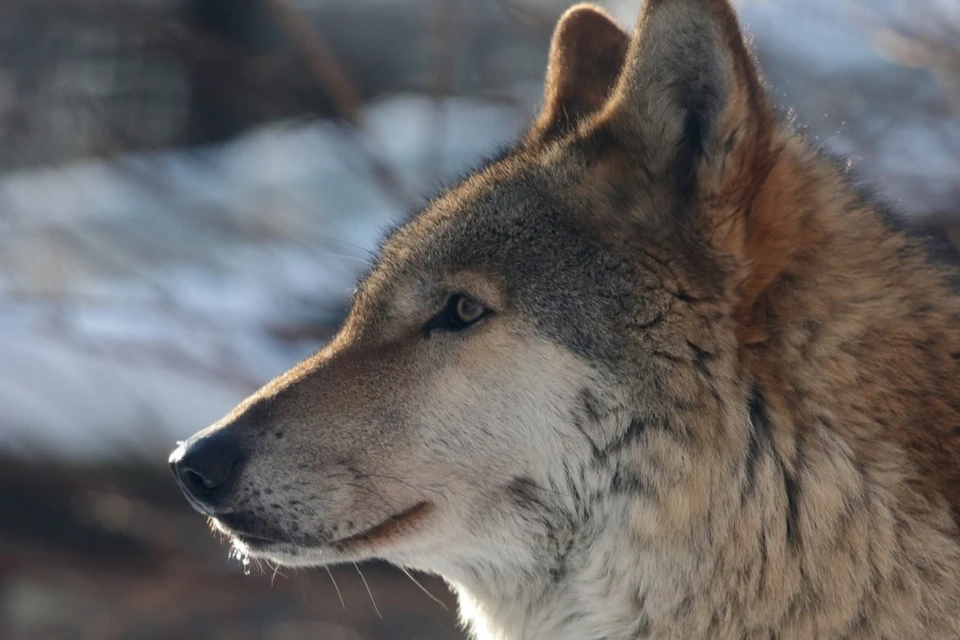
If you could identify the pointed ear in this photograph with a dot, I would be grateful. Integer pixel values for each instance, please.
(690, 100)
(690, 107)
(586, 57)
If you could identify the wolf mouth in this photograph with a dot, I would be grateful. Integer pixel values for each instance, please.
(238, 527)
(390, 527)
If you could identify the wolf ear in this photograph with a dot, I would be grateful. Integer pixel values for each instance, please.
(690, 100)
(690, 93)
(586, 57)
(690, 107)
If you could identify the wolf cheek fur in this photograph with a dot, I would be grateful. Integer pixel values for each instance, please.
(710, 393)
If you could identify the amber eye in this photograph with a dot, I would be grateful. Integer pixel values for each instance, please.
(460, 312)
(468, 310)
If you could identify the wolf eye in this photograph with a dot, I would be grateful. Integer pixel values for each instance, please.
(468, 310)
(460, 312)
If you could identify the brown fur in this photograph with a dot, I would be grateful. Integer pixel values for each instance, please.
(716, 395)
(783, 217)
(843, 323)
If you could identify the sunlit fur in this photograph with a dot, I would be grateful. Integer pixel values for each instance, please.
(718, 395)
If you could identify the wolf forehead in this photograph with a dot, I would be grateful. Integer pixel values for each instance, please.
(542, 242)
(512, 216)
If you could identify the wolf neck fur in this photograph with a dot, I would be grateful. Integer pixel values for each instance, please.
(770, 537)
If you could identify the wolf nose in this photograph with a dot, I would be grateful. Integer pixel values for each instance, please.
(204, 466)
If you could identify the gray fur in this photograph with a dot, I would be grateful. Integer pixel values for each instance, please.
(707, 400)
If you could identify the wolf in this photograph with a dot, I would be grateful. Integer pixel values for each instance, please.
(660, 370)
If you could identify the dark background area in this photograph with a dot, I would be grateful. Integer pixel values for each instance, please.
(188, 189)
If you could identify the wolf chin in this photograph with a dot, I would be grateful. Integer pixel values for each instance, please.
(658, 371)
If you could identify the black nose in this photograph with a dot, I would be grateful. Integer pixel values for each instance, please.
(205, 466)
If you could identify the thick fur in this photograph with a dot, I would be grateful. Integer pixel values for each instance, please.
(717, 394)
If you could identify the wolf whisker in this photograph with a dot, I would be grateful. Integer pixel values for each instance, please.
(369, 593)
(424, 589)
(336, 587)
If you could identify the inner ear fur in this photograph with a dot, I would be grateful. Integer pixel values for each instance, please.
(587, 54)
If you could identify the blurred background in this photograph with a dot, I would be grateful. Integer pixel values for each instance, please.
(188, 189)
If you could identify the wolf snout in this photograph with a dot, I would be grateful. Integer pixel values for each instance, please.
(204, 467)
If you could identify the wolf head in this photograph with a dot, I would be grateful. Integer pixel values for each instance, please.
(552, 350)
(564, 321)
